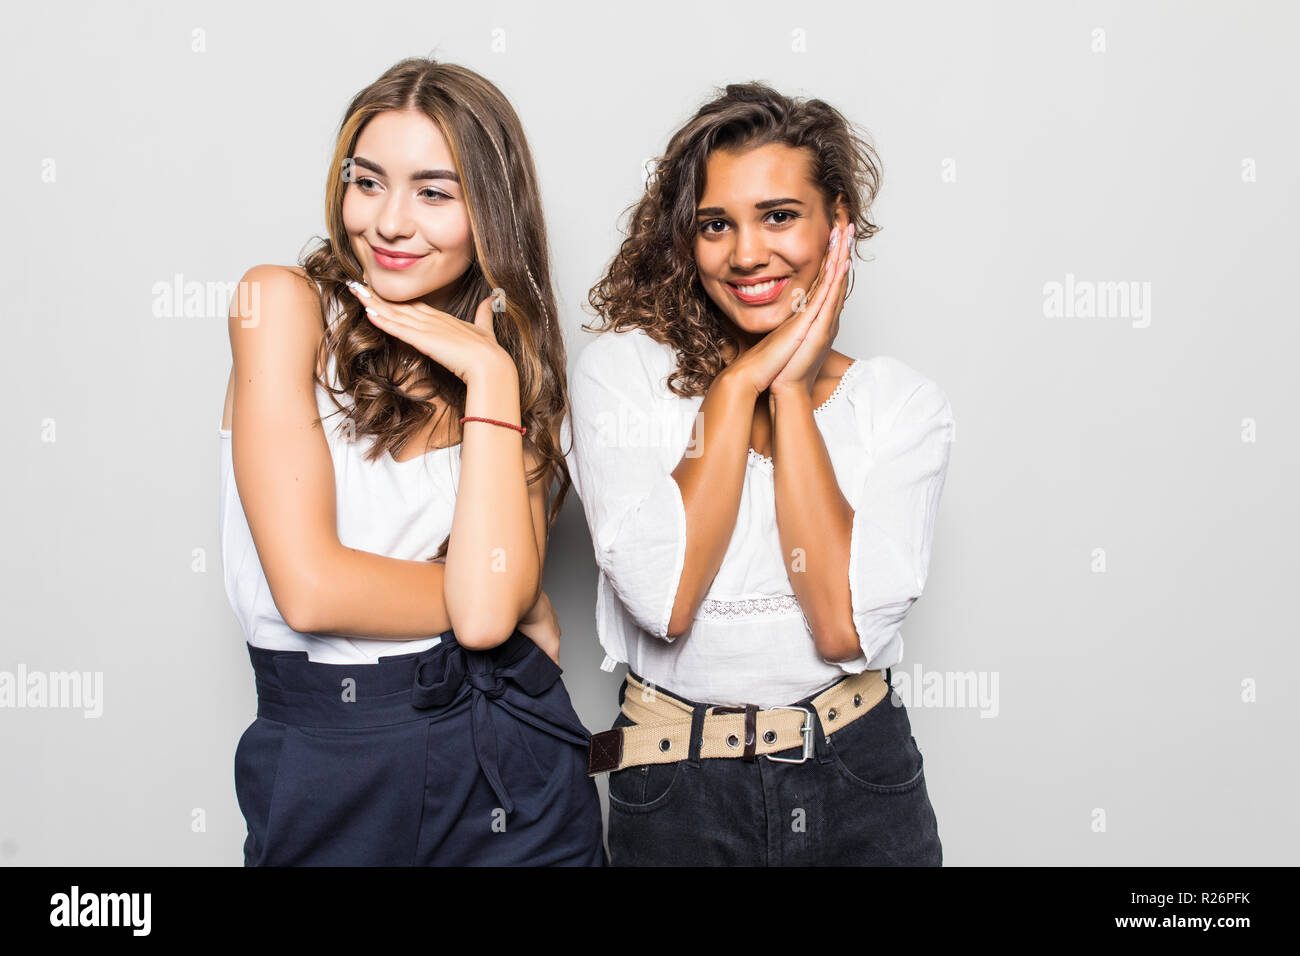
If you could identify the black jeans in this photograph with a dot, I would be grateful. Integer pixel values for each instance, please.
(859, 800)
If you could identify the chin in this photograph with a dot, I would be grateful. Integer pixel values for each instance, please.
(403, 286)
(761, 321)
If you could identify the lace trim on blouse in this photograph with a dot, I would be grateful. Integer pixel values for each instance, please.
(778, 606)
(845, 378)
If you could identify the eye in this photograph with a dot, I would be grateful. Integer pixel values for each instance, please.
(361, 183)
(436, 193)
(791, 215)
(704, 226)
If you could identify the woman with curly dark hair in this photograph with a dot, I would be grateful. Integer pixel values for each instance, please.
(761, 507)
(386, 567)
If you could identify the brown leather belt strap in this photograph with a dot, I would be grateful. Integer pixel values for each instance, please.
(662, 725)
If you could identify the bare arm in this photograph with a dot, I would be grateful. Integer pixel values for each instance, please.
(498, 537)
(711, 484)
(285, 478)
(494, 553)
(815, 523)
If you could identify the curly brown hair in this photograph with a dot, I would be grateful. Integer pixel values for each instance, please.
(511, 263)
(653, 283)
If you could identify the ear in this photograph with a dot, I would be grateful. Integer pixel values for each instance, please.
(840, 213)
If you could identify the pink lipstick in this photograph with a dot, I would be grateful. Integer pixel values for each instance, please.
(393, 259)
(759, 291)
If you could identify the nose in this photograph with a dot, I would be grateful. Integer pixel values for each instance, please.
(395, 220)
(749, 251)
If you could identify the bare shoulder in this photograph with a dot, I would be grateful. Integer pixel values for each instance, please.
(275, 301)
(285, 284)
(275, 322)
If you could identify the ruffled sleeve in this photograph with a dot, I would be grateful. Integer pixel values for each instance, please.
(895, 504)
(625, 444)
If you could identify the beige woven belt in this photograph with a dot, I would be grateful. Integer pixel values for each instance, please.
(662, 731)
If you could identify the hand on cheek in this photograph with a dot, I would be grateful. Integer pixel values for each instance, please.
(804, 365)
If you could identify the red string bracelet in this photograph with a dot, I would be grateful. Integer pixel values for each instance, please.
(492, 421)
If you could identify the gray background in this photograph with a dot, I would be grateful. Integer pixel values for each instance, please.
(1120, 691)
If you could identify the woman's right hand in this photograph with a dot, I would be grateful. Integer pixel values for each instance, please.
(466, 349)
(762, 363)
(542, 627)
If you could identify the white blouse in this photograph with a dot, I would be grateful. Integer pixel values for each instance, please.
(888, 431)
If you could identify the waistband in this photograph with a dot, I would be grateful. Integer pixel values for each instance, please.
(511, 680)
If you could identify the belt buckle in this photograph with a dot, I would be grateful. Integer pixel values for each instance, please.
(806, 730)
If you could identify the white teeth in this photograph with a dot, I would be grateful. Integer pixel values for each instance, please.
(760, 289)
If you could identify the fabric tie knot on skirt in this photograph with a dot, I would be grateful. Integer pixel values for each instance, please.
(492, 685)
(510, 676)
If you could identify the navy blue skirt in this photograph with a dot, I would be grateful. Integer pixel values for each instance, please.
(447, 757)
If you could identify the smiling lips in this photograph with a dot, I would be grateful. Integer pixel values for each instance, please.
(392, 259)
(759, 291)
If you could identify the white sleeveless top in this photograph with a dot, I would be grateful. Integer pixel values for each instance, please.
(388, 507)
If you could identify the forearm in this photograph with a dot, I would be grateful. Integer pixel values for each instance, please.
(815, 524)
(493, 564)
(359, 594)
(711, 477)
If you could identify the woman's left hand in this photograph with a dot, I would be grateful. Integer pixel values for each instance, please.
(828, 299)
(463, 348)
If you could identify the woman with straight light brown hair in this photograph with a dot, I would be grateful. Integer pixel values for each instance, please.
(386, 567)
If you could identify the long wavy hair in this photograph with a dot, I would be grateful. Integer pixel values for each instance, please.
(653, 283)
(511, 263)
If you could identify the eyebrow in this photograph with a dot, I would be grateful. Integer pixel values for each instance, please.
(765, 204)
(422, 174)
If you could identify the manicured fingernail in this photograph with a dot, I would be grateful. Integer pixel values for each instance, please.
(371, 312)
(359, 289)
(835, 234)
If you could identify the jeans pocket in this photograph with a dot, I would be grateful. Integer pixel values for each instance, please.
(643, 788)
(877, 751)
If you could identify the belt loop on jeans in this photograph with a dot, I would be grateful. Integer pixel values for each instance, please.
(821, 746)
(751, 728)
(751, 733)
(697, 734)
